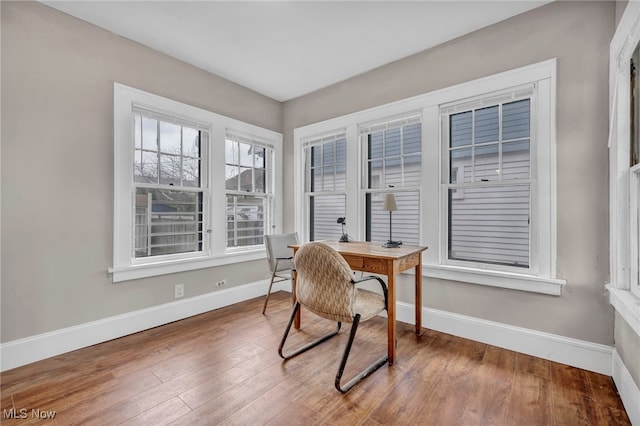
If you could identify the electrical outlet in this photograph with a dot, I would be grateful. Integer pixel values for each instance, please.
(178, 291)
(221, 283)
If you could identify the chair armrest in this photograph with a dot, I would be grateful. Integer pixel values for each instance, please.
(380, 281)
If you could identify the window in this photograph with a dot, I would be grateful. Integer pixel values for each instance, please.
(249, 190)
(487, 155)
(624, 170)
(472, 169)
(189, 193)
(325, 185)
(393, 164)
(169, 185)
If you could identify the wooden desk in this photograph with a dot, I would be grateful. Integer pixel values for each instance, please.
(372, 257)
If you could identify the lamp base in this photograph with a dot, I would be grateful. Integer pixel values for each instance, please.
(344, 238)
(392, 244)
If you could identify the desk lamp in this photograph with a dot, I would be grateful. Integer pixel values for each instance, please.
(390, 206)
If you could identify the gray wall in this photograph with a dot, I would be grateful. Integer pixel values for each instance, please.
(57, 167)
(578, 34)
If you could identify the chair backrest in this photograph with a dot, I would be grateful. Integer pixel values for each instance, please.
(324, 283)
(277, 246)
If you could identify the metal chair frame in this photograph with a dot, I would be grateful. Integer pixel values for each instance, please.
(345, 356)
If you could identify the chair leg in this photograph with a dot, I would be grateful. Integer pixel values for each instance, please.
(358, 378)
(264, 308)
(308, 345)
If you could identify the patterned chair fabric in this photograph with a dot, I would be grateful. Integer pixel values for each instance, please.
(325, 286)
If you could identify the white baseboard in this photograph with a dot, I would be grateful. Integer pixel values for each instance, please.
(565, 350)
(35, 348)
(627, 388)
(577, 353)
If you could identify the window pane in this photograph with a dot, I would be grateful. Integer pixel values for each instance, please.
(316, 155)
(460, 159)
(486, 125)
(412, 170)
(137, 131)
(190, 172)
(170, 138)
(231, 152)
(516, 120)
(258, 156)
(412, 139)
(393, 172)
(324, 213)
(246, 179)
(375, 145)
(516, 160)
(260, 177)
(460, 129)
(149, 134)
(328, 178)
(328, 150)
(405, 220)
(231, 177)
(190, 142)
(487, 163)
(246, 157)
(245, 220)
(167, 222)
(392, 142)
(170, 172)
(490, 225)
(376, 173)
(316, 179)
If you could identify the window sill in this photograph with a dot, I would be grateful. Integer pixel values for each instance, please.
(508, 280)
(627, 305)
(134, 272)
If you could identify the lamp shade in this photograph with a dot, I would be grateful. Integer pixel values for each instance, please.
(389, 203)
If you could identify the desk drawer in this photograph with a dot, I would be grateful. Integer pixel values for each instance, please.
(355, 262)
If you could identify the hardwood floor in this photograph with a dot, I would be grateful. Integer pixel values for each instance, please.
(222, 367)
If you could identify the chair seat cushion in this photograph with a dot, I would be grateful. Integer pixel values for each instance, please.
(368, 304)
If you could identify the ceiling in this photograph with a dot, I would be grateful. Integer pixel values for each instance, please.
(285, 49)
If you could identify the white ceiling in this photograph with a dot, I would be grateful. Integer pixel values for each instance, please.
(286, 49)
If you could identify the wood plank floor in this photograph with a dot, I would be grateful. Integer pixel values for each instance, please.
(222, 367)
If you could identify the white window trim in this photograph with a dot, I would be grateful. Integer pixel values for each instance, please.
(624, 299)
(214, 251)
(544, 75)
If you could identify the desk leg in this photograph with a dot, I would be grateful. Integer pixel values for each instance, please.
(418, 302)
(391, 312)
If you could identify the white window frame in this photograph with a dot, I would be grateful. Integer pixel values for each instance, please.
(488, 100)
(624, 292)
(309, 143)
(214, 251)
(268, 196)
(543, 75)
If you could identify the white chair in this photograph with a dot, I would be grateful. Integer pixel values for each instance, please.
(280, 257)
(326, 287)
